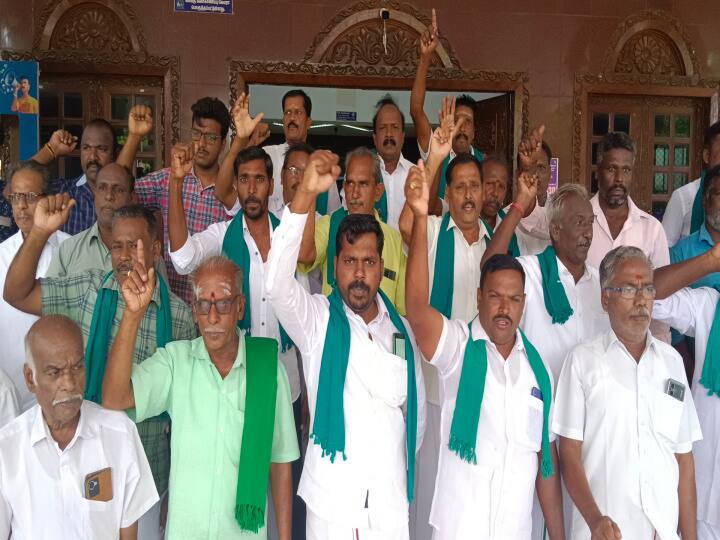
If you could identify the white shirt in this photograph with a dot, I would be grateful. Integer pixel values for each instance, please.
(494, 498)
(82, 180)
(9, 407)
(630, 431)
(263, 322)
(277, 155)
(691, 312)
(375, 397)
(42, 488)
(640, 230)
(555, 341)
(14, 324)
(676, 219)
(395, 189)
(533, 231)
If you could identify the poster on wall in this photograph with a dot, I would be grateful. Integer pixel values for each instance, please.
(223, 7)
(554, 175)
(19, 97)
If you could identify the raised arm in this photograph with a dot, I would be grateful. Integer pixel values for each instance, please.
(527, 193)
(244, 127)
(673, 277)
(181, 163)
(61, 143)
(428, 44)
(426, 322)
(140, 124)
(22, 290)
(444, 138)
(528, 147)
(137, 291)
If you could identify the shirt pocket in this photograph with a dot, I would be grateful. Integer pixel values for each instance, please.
(530, 415)
(389, 383)
(667, 416)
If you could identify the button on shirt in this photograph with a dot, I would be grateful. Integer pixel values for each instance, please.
(14, 324)
(277, 155)
(208, 416)
(395, 189)
(367, 490)
(554, 341)
(640, 230)
(208, 243)
(691, 311)
(678, 213)
(630, 431)
(42, 488)
(493, 498)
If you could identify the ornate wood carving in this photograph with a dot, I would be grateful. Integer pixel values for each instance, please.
(91, 27)
(650, 52)
(354, 36)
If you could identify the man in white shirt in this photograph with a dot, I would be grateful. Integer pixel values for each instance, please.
(626, 419)
(694, 313)
(371, 409)
(9, 407)
(250, 231)
(678, 213)
(68, 467)
(389, 137)
(492, 444)
(27, 183)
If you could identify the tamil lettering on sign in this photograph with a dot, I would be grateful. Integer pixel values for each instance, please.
(554, 175)
(224, 7)
(345, 116)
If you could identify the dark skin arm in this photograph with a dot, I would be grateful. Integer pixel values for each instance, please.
(550, 497)
(447, 125)
(673, 277)
(181, 157)
(527, 192)
(428, 44)
(22, 290)
(140, 124)
(281, 489)
(62, 143)
(426, 321)
(687, 496)
(129, 533)
(573, 473)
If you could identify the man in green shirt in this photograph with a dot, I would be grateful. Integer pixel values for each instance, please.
(363, 188)
(87, 298)
(212, 390)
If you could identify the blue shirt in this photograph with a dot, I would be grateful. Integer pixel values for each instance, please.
(696, 244)
(82, 216)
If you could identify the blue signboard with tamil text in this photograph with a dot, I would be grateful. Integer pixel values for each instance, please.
(223, 7)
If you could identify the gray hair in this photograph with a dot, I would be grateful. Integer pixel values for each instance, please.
(364, 151)
(219, 263)
(556, 201)
(616, 257)
(29, 165)
(615, 139)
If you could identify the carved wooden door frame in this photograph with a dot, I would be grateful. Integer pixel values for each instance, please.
(349, 53)
(92, 37)
(650, 55)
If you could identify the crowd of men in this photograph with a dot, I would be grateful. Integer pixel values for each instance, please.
(263, 342)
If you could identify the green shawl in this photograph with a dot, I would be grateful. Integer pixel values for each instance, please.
(235, 248)
(471, 389)
(261, 361)
(513, 248)
(328, 429)
(556, 300)
(98, 345)
(443, 174)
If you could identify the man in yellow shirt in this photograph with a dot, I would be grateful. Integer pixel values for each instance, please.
(363, 188)
(26, 104)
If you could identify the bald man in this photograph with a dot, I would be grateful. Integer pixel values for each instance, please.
(68, 467)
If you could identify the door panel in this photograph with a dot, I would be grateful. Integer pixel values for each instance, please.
(494, 126)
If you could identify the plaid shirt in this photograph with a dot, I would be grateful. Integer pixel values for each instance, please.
(75, 297)
(82, 216)
(202, 209)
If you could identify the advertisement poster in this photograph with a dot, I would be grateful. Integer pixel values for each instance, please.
(19, 97)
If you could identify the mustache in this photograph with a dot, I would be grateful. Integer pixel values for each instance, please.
(359, 285)
(461, 136)
(469, 204)
(619, 187)
(389, 140)
(502, 318)
(252, 199)
(124, 268)
(292, 124)
(641, 312)
(73, 397)
(93, 162)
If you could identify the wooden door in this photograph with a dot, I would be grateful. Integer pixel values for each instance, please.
(494, 126)
(668, 135)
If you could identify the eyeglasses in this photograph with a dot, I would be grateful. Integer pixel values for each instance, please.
(210, 138)
(29, 198)
(295, 171)
(223, 307)
(629, 292)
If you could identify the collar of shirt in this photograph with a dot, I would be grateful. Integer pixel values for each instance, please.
(483, 230)
(563, 271)
(634, 214)
(381, 317)
(199, 351)
(81, 181)
(610, 339)
(40, 430)
(194, 178)
(247, 231)
(704, 236)
(403, 165)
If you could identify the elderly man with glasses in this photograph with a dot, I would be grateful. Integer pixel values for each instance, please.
(27, 184)
(626, 419)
